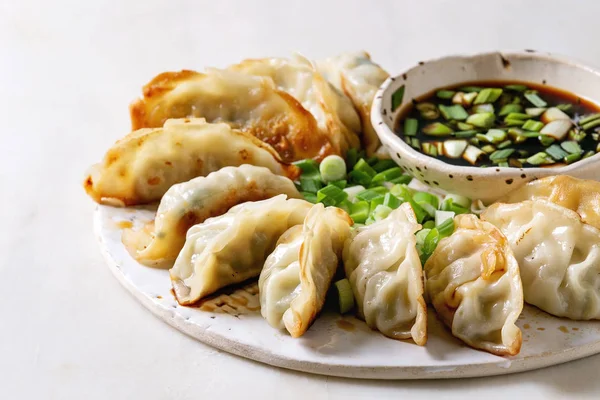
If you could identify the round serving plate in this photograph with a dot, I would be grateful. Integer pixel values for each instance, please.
(335, 345)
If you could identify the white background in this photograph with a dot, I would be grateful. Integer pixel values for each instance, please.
(68, 70)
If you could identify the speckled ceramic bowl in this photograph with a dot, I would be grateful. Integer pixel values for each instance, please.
(487, 184)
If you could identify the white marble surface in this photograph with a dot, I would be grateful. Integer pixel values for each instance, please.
(68, 69)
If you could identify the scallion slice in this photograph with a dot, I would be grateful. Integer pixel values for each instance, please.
(471, 89)
(391, 201)
(331, 195)
(359, 177)
(501, 154)
(488, 95)
(546, 140)
(446, 227)
(483, 108)
(359, 211)
(403, 192)
(472, 154)
(428, 110)
(353, 191)
(381, 212)
(441, 216)
(454, 148)
(445, 94)
(437, 129)
(590, 125)
(411, 126)
(465, 134)
(535, 112)
(387, 175)
(556, 152)
(463, 126)
(571, 147)
(345, 295)
(553, 114)
(310, 184)
(310, 197)
(363, 166)
(534, 99)
(571, 158)
(455, 112)
(384, 164)
(372, 193)
(332, 168)
(540, 158)
(481, 120)
(510, 108)
(516, 88)
(531, 125)
(576, 135)
(589, 118)
(488, 149)
(558, 129)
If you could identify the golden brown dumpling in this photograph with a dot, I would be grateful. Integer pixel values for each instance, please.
(250, 103)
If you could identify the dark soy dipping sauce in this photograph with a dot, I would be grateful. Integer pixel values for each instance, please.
(552, 96)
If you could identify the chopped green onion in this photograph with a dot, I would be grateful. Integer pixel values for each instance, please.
(332, 168)
(496, 135)
(370, 194)
(518, 116)
(345, 295)
(428, 110)
(352, 157)
(422, 234)
(481, 108)
(576, 135)
(363, 166)
(310, 197)
(310, 184)
(415, 143)
(341, 183)
(353, 191)
(588, 154)
(504, 144)
(501, 154)
(488, 95)
(454, 112)
(472, 154)
(429, 224)
(482, 120)
(463, 126)
(387, 175)
(558, 129)
(510, 108)
(590, 125)
(516, 88)
(513, 122)
(429, 149)
(596, 136)
(571, 147)
(565, 107)
(427, 201)
(374, 203)
(457, 199)
(515, 163)
(531, 125)
(571, 158)
(529, 134)
(359, 211)
(553, 114)
(535, 112)
(331, 195)
(540, 158)
(420, 213)
(359, 177)
(391, 201)
(307, 166)
(446, 226)
(384, 164)
(556, 152)
(411, 126)
(445, 94)
(372, 160)
(454, 148)
(534, 99)
(503, 164)
(488, 149)
(404, 179)
(381, 212)
(437, 129)
(403, 192)
(345, 205)
(465, 134)
(431, 241)
(441, 216)
(546, 140)
(589, 118)
(471, 89)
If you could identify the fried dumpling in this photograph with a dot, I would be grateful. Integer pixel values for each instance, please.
(296, 276)
(141, 167)
(233, 247)
(190, 203)
(359, 78)
(384, 270)
(558, 255)
(579, 195)
(334, 113)
(249, 103)
(472, 279)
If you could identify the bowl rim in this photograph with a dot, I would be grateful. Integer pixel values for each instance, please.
(390, 139)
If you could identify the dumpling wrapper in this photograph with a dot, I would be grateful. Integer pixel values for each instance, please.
(472, 279)
(190, 203)
(233, 247)
(296, 276)
(332, 110)
(384, 270)
(249, 103)
(141, 167)
(579, 195)
(558, 255)
(357, 76)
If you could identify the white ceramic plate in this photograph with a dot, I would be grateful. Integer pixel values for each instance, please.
(334, 345)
